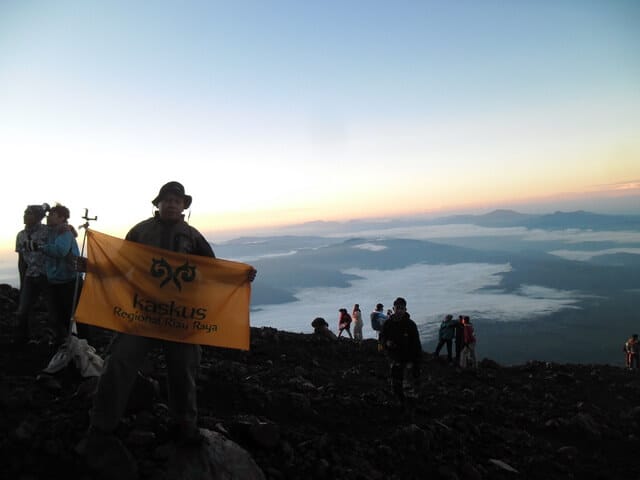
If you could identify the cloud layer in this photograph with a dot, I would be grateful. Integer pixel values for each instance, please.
(431, 292)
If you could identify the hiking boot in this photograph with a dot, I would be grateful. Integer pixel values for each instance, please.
(108, 457)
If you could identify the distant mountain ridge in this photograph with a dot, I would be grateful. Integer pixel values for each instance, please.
(501, 218)
(551, 221)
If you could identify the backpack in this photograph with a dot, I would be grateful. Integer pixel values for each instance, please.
(375, 321)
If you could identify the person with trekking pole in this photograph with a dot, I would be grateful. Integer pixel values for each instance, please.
(64, 282)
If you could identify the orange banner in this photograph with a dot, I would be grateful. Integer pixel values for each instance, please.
(151, 292)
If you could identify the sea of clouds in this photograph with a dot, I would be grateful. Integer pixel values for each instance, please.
(431, 291)
(435, 290)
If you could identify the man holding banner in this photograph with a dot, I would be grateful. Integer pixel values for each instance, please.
(161, 285)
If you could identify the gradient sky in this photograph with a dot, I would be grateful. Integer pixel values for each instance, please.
(274, 112)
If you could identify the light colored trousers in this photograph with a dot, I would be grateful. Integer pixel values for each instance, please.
(468, 356)
(127, 356)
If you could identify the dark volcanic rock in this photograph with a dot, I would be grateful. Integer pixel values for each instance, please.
(307, 408)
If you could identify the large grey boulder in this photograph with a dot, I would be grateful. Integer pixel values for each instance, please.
(219, 459)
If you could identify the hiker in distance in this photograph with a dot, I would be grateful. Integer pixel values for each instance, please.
(356, 315)
(322, 330)
(445, 337)
(344, 323)
(468, 353)
(401, 341)
(167, 229)
(631, 350)
(31, 266)
(378, 318)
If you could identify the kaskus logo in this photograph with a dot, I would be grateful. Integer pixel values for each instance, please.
(160, 268)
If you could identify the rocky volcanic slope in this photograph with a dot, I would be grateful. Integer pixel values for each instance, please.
(311, 409)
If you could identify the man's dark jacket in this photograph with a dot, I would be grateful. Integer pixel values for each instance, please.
(175, 236)
(403, 332)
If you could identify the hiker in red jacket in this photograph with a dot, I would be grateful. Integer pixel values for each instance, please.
(631, 349)
(468, 354)
(344, 323)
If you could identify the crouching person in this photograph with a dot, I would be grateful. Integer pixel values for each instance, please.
(401, 342)
(321, 329)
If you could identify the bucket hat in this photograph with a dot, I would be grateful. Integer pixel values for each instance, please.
(172, 187)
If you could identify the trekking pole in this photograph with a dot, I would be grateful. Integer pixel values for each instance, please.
(76, 291)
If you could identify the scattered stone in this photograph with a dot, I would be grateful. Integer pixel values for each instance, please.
(295, 408)
(503, 465)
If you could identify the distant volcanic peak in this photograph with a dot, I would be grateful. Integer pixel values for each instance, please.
(505, 214)
(503, 211)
